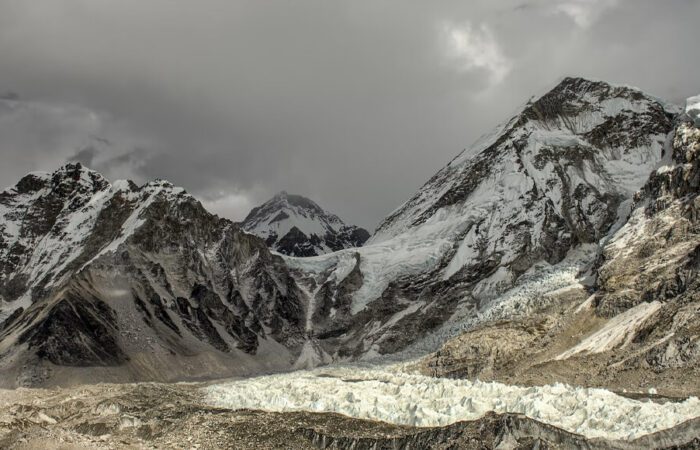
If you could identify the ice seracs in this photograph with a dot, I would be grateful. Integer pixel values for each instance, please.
(408, 399)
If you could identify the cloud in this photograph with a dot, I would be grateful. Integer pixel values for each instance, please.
(235, 206)
(471, 48)
(584, 12)
(36, 135)
(85, 155)
(353, 104)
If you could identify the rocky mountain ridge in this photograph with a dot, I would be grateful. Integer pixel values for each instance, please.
(136, 279)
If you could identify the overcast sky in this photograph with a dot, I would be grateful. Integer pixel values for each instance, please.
(354, 104)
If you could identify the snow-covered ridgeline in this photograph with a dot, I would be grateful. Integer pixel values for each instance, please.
(542, 182)
(624, 159)
(408, 399)
(289, 216)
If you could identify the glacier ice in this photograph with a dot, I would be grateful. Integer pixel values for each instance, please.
(380, 393)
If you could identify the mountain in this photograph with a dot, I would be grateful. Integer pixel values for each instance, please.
(525, 210)
(140, 281)
(500, 250)
(639, 327)
(296, 226)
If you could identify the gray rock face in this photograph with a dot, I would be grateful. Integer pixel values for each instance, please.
(94, 273)
(296, 226)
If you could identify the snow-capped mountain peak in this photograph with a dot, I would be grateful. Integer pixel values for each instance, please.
(93, 272)
(539, 194)
(297, 226)
(589, 125)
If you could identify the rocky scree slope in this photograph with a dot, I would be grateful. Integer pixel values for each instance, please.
(139, 280)
(296, 226)
(529, 204)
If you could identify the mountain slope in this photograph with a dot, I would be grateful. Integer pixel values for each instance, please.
(142, 279)
(296, 226)
(525, 208)
(639, 330)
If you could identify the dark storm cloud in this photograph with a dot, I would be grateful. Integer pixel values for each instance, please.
(354, 104)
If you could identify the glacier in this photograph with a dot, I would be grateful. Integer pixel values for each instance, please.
(390, 395)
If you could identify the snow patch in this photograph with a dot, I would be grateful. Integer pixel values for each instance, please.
(619, 331)
(404, 255)
(585, 305)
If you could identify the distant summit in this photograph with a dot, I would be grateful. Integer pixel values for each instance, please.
(296, 226)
